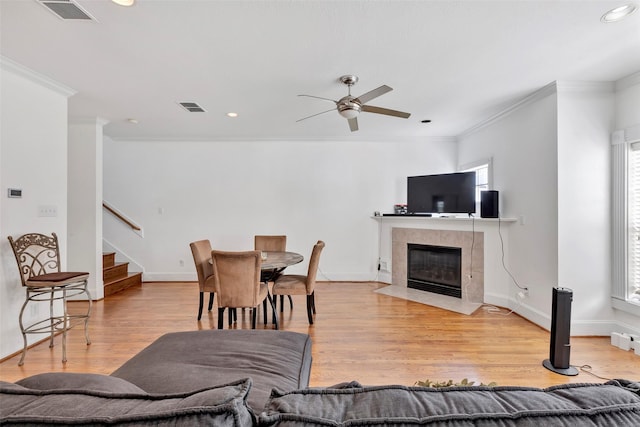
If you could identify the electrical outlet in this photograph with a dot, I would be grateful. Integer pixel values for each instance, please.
(383, 265)
(523, 294)
(47, 211)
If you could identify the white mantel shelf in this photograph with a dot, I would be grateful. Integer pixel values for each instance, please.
(441, 218)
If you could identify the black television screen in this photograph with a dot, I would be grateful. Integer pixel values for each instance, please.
(443, 193)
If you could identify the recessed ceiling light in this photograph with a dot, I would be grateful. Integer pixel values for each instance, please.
(234, 115)
(124, 2)
(619, 13)
(133, 121)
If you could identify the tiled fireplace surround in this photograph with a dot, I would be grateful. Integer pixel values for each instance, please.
(472, 272)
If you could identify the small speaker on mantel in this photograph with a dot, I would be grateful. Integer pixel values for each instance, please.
(489, 204)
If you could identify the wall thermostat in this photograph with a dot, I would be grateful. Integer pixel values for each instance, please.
(14, 192)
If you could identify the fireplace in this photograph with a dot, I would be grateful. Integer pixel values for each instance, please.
(435, 269)
(472, 244)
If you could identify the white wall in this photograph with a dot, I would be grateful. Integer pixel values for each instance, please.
(33, 147)
(85, 201)
(523, 146)
(229, 191)
(585, 122)
(551, 159)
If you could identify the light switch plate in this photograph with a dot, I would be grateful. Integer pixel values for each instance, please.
(47, 210)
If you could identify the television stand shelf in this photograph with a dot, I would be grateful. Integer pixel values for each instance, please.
(427, 217)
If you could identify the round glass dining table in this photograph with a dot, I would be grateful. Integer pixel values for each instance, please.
(279, 260)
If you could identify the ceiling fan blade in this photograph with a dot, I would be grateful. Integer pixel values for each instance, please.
(353, 124)
(319, 97)
(385, 111)
(366, 97)
(317, 114)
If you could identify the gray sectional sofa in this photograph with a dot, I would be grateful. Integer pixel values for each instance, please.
(260, 378)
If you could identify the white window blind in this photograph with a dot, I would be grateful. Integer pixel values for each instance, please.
(633, 292)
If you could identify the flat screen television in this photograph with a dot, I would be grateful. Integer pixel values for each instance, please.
(444, 193)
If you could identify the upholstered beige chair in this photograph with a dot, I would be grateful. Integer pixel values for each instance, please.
(201, 251)
(277, 243)
(270, 243)
(237, 283)
(38, 258)
(293, 284)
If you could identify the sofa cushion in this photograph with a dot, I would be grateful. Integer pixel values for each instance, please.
(220, 405)
(185, 361)
(565, 405)
(79, 381)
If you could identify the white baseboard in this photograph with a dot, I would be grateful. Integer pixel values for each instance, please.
(579, 328)
(169, 277)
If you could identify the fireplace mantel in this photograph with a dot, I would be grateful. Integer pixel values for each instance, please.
(495, 238)
(438, 219)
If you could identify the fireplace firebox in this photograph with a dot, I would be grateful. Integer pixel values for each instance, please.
(435, 269)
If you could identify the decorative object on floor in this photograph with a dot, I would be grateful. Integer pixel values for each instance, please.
(237, 283)
(441, 384)
(350, 107)
(201, 251)
(294, 284)
(38, 258)
(559, 348)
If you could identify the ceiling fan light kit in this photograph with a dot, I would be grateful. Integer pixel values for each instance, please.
(349, 110)
(350, 107)
(618, 14)
(125, 3)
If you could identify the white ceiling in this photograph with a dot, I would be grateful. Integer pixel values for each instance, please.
(453, 62)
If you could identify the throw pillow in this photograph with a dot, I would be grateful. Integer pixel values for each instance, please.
(223, 405)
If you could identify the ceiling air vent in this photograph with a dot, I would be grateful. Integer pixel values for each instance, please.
(67, 10)
(192, 107)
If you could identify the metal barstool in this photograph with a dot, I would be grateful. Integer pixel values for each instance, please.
(38, 259)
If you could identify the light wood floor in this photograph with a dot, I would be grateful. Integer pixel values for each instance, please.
(358, 335)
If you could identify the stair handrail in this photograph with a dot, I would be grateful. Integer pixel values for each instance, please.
(120, 216)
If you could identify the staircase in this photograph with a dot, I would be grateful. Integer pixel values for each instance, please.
(116, 275)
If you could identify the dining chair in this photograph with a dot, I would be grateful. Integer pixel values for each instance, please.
(201, 251)
(237, 284)
(294, 284)
(271, 243)
(38, 258)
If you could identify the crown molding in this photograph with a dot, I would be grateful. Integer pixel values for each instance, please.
(86, 120)
(539, 94)
(399, 140)
(12, 66)
(550, 89)
(628, 81)
(584, 87)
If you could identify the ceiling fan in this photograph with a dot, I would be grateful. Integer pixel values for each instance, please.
(350, 106)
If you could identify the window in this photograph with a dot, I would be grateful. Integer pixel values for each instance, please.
(482, 168)
(625, 260)
(633, 212)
